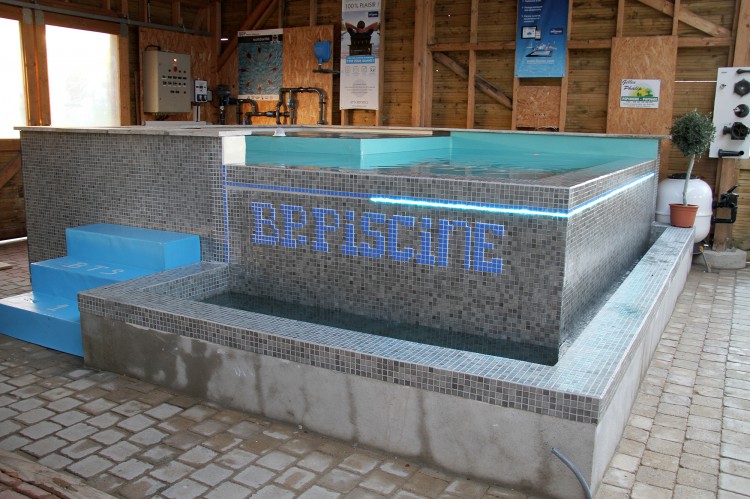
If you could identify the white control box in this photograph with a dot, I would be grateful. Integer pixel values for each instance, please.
(166, 82)
(732, 114)
(200, 91)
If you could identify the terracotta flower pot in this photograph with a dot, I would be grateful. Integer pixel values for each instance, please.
(681, 215)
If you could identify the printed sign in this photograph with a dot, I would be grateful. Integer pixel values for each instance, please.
(541, 39)
(640, 93)
(360, 54)
(260, 54)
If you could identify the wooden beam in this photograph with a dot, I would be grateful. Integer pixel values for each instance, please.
(728, 168)
(685, 41)
(688, 17)
(676, 18)
(28, 46)
(483, 85)
(282, 11)
(9, 170)
(257, 17)
(313, 12)
(620, 17)
(40, 37)
(145, 12)
(176, 13)
(463, 47)
(10, 145)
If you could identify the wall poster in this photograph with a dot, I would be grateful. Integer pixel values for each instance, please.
(541, 38)
(360, 54)
(260, 54)
(642, 94)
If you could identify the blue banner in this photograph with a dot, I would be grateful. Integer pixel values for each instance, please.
(541, 38)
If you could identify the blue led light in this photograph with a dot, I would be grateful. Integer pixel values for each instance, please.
(511, 210)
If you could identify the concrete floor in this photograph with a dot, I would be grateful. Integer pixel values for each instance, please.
(688, 435)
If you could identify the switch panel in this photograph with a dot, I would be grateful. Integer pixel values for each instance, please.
(731, 109)
(200, 91)
(166, 82)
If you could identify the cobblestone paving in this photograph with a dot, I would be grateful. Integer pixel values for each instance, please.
(688, 435)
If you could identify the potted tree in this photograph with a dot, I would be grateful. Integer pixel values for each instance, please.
(692, 133)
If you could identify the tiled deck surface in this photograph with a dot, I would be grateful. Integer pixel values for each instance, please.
(688, 435)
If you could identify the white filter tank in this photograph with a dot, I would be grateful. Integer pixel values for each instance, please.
(699, 192)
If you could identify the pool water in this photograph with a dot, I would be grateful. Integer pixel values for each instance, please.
(389, 329)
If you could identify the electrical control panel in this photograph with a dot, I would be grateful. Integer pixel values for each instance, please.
(166, 82)
(200, 91)
(732, 114)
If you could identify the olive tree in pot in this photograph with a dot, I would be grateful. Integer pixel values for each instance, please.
(692, 133)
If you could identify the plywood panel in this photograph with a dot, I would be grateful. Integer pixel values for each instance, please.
(537, 107)
(649, 58)
(299, 62)
(202, 65)
(297, 71)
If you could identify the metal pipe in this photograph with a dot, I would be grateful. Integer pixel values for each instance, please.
(576, 472)
(98, 17)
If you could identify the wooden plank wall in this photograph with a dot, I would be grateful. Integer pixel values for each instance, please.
(12, 207)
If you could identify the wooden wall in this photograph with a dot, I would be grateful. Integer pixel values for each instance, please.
(476, 35)
(12, 208)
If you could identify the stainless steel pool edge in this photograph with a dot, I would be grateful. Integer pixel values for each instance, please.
(139, 308)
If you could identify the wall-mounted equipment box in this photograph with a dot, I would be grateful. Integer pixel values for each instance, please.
(167, 86)
(732, 114)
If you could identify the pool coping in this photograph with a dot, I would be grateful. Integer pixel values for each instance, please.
(578, 388)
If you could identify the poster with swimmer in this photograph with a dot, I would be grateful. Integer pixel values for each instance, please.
(360, 54)
(260, 54)
(541, 38)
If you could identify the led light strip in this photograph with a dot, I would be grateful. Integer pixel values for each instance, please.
(424, 203)
(451, 205)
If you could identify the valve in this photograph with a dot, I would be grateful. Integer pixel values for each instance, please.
(737, 131)
(727, 200)
(742, 87)
(741, 111)
(723, 153)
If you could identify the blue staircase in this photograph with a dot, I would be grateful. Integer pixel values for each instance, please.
(98, 255)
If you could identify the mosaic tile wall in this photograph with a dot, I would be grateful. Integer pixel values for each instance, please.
(153, 181)
(316, 238)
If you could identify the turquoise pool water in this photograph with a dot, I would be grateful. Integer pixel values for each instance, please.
(493, 156)
(389, 329)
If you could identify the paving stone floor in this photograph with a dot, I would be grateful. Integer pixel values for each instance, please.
(688, 435)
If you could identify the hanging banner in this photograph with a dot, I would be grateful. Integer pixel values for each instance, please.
(642, 94)
(360, 51)
(259, 66)
(541, 38)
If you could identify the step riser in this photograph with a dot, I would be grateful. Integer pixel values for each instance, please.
(48, 321)
(64, 277)
(132, 246)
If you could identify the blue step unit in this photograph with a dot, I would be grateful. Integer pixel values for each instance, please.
(151, 249)
(47, 320)
(98, 255)
(68, 275)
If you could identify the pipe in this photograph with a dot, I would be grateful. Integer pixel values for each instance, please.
(293, 91)
(576, 472)
(253, 104)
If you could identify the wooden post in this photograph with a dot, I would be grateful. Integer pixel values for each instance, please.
(381, 66)
(123, 56)
(40, 44)
(727, 168)
(471, 92)
(424, 29)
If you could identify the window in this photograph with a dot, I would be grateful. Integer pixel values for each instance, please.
(83, 77)
(14, 96)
